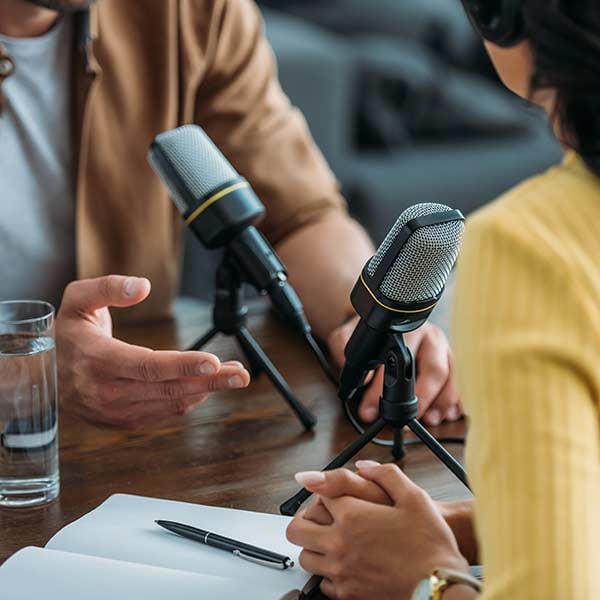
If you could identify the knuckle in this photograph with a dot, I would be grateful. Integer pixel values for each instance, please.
(172, 390)
(188, 369)
(178, 406)
(438, 370)
(346, 590)
(342, 478)
(213, 384)
(104, 284)
(91, 403)
(414, 494)
(86, 363)
(336, 548)
(292, 531)
(94, 393)
(302, 559)
(105, 394)
(106, 287)
(148, 369)
(337, 571)
(391, 470)
(345, 516)
(72, 289)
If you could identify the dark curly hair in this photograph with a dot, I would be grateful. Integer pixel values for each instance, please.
(565, 35)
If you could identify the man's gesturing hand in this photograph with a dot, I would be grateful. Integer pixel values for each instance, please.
(106, 380)
(438, 398)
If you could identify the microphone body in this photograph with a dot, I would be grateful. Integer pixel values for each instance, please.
(221, 209)
(266, 272)
(400, 286)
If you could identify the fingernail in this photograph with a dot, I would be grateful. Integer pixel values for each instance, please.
(310, 478)
(433, 417)
(453, 413)
(235, 363)
(366, 464)
(235, 382)
(207, 368)
(371, 413)
(130, 286)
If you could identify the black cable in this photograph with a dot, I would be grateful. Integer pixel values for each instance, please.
(322, 359)
(389, 443)
(353, 420)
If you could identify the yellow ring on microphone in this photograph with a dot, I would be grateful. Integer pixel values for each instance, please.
(214, 198)
(396, 310)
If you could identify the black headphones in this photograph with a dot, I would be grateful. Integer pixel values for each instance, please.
(498, 21)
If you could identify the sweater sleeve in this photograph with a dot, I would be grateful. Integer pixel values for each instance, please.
(527, 355)
(244, 110)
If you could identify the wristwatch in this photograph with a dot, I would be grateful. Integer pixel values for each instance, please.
(434, 586)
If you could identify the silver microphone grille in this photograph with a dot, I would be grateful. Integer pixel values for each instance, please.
(200, 166)
(425, 261)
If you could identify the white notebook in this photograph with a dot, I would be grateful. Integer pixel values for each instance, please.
(118, 552)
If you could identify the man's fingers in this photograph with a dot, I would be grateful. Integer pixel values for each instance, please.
(433, 371)
(88, 295)
(115, 358)
(339, 338)
(229, 377)
(342, 482)
(161, 402)
(369, 406)
(446, 407)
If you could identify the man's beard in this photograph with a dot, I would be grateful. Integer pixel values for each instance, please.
(63, 5)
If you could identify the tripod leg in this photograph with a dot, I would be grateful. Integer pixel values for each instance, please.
(449, 461)
(255, 367)
(253, 348)
(200, 342)
(290, 507)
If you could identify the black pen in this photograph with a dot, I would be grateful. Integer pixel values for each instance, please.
(246, 551)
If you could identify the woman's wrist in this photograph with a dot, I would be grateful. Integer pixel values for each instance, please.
(459, 517)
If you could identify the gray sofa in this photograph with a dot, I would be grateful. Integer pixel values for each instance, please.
(485, 141)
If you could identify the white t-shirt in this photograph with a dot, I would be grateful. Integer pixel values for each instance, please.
(37, 178)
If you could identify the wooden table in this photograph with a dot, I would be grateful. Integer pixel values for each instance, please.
(237, 450)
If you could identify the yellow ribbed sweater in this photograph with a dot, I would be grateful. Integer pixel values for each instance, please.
(527, 340)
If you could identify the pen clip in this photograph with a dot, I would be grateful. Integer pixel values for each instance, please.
(274, 564)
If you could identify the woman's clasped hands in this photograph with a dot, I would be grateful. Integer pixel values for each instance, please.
(372, 534)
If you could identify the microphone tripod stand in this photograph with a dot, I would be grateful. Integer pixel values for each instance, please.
(230, 318)
(398, 408)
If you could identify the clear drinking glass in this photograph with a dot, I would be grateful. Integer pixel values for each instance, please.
(29, 472)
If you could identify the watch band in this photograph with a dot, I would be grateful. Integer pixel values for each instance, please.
(434, 586)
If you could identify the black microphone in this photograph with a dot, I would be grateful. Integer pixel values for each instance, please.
(221, 208)
(400, 286)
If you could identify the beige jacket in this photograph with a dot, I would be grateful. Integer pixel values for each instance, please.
(145, 66)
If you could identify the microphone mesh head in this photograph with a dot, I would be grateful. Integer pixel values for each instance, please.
(200, 166)
(424, 262)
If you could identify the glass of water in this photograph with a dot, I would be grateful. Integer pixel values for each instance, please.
(28, 404)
